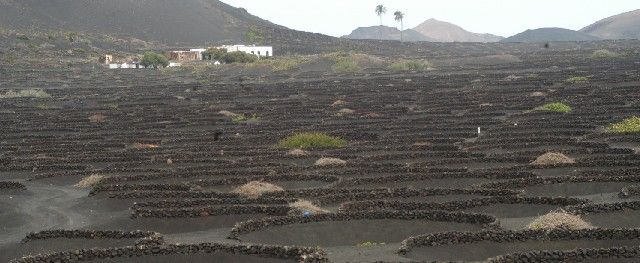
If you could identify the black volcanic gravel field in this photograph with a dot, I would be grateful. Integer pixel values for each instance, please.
(416, 167)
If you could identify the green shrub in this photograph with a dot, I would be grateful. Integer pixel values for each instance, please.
(311, 140)
(409, 65)
(28, 93)
(628, 125)
(214, 54)
(244, 118)
(556, 107)
(155, 60)
(577, 80)
(604, 54)
(345, 65)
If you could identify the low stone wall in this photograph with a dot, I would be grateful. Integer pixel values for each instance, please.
(525, 182)
(301, 254)
(7, 185)
(268, 178)
(259, 224)
(603, 207)
(450, 238)
(345, 196)
(143, 237)
(210, 211)
(138, 187)
(576, 255)
(457, 205)
(212, 201)
(423, 177)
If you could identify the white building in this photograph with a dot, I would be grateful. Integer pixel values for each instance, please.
(199, 50)
(260, 51)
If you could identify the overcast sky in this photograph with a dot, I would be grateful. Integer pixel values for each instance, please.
(500, 17)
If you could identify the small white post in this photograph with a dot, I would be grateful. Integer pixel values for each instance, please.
(478, 130)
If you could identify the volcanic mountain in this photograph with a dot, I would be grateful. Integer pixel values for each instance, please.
(386, 33)
(166, 21)
(622, 26)
(441, 31)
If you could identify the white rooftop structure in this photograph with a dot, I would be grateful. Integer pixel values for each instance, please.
(260, 51)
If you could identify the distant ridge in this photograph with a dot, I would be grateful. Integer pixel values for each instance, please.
(550, 34)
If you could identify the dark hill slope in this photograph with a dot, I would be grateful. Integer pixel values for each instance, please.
(167, 21)
(622, 26)
(549, 35)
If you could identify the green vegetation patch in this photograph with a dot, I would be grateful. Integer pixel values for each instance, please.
(628, 125)
(604, 54)
(245, 118)
(345, 65)
(27, 93)
(311, 140)
(368, 244)
(155, 60)
(555, 107)
(409, 65)
(577, 80)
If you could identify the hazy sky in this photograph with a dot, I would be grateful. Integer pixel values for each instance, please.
(500, 17)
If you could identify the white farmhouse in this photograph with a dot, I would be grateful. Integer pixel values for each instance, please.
(260, 51)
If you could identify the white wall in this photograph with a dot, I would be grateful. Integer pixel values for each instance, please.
(261, 51)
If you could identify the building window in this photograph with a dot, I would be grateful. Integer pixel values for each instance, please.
(252, 52)
(258, 52)
(267, 53)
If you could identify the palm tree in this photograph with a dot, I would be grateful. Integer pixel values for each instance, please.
(380, 10)
(399, 16)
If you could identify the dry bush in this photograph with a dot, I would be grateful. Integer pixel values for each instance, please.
(538, 94)
(89, 181)
(338, 103)
(297, 153)
(227, 113)
(301, 206)
(255, 189)
(551, 158)
(346, 111)
(559, 220)
(422, 144)
(97, 118)
(330, 162)
(138, 145)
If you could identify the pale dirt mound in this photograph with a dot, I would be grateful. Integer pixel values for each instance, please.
(551, 158)
(346, 111)
(338, 103)
(559, 220)
(227, 113)
(255, 189)
(538, 94)
(330, 162)
(89, 181)
(301, 206)
(97, 118)
(297, 153)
